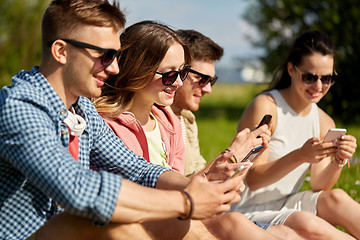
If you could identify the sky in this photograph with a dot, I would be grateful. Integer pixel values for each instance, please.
(220, 20)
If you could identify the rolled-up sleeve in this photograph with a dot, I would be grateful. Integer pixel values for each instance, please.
(30, 143)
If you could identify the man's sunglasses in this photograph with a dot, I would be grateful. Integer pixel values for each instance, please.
(309, 78)
(205, 79)
(108, 54)
(168, 78)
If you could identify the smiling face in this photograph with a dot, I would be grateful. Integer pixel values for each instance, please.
(190, 94)
(316, 64)
(83, 72)
(156, 92)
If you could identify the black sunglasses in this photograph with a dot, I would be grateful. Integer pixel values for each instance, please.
(108, 54)
(168, 78)
(205, 79)
(309, 78)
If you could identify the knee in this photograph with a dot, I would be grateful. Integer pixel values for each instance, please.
(235, 217)
(306, 224)
(335, 198)
(310, 227)
(225, 223)
(284, 232)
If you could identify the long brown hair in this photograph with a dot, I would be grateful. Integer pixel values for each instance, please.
(144, 46)
(305, 44)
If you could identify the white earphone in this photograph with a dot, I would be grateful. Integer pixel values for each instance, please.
(75, 123)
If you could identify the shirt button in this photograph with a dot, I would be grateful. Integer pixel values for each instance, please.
(63, 132)
(63, 112)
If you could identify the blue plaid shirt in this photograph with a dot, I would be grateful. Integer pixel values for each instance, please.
(38, 174)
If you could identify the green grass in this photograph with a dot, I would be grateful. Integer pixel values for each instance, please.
(219, 113)
(218, 116)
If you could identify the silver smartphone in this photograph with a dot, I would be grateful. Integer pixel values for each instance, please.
(334, 134)
(240, 170)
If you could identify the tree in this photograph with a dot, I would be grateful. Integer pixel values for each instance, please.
(280, 21)
(20, 36)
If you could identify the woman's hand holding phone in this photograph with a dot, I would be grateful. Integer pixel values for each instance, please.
(241, 170)
(345, 144)
(221, 169)
(334, 134)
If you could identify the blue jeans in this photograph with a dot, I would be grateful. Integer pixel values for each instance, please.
(264, 226)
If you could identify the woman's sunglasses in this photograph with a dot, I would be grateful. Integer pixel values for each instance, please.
(205, 79)
(108, 54)
(168, 78)
(309, 78)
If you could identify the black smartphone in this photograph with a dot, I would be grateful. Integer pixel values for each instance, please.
(265, 120)
(252, 154)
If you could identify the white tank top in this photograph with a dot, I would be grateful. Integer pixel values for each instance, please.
(291, 132)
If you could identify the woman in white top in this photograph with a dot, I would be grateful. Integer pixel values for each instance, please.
(152, 67)
(298, 127)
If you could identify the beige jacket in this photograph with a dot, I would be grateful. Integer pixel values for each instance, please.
(194, 161)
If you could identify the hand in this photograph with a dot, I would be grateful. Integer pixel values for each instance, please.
(314, 151)
(210, 199)
(346, 147)
(221, 169)
(246, 140)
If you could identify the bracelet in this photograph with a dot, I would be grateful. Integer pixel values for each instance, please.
(233, 158)
(340, 163)
(188, 206)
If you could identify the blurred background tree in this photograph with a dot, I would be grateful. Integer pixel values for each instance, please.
(20, 36)
(279, 22)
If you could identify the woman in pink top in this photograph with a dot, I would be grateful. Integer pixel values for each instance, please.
(133, 102)
(153, 65)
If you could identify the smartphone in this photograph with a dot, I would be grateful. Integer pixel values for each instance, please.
(334, 134)
(252, 154)
(240, 170)
(265, 120)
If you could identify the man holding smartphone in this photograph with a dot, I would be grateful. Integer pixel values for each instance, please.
(199, 82)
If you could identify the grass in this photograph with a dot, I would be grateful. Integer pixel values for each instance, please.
(218, 116)
(219, 113)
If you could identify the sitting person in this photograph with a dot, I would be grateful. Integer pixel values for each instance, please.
(204, 52)
(63, 172)
(296, 147)
(153, 65)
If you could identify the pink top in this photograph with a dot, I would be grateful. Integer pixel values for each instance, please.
(132, 134)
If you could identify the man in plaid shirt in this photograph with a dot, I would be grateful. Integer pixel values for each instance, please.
(61, 168)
